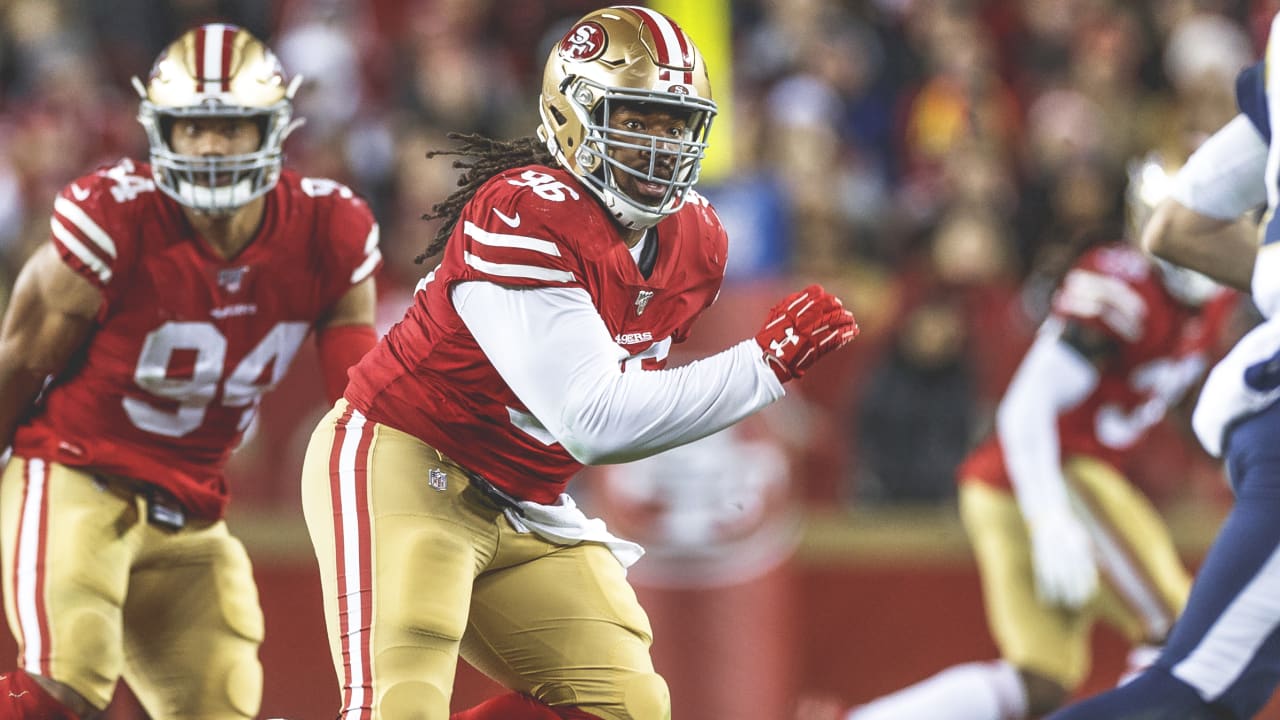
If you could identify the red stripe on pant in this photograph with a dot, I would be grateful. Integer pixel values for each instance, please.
(29, 567)
(348, 478)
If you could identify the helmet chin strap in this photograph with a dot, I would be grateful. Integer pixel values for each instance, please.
(216, 200)
(627, 216)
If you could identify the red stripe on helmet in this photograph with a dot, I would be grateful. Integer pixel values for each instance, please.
(658, 27)
(199, 51)
(224, 74)
(686, 56)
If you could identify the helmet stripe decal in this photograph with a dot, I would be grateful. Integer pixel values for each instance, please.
(667, 36)
(199, 59)
(210, 46)
(228, 50)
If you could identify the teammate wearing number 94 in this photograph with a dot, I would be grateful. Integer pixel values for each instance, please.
(171, 296)
(434, 493)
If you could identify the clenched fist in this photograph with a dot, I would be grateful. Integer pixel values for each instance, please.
(803, 328)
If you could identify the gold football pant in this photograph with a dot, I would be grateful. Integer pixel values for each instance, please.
(1143, 585)
(92, 591)
(418, 566)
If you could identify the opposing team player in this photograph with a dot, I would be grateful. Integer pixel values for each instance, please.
(1062, 538)
(435, 493)
(1223, 658)
(171, 296)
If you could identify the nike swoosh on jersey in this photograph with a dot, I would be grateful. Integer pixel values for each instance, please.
(510, 221)
(78, 192)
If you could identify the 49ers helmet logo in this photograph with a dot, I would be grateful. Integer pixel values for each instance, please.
(585, 41)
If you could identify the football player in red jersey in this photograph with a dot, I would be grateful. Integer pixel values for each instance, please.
(1061, 537)
(171, 296)
(434, 493)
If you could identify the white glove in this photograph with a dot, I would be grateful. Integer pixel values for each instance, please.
(1062, 557)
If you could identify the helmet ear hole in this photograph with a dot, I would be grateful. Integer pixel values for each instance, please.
(166, 128)
(264, 126)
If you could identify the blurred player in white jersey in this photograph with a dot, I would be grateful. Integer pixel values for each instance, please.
(1223, 658)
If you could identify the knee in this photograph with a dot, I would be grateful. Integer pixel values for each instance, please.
(90, 660)
(636, 696)
(244, 687)
(645, 697)
(413, 700)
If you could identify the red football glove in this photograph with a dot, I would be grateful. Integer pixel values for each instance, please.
(803, 328)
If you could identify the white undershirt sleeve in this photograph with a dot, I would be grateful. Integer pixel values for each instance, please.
(1223, 178)
(553, 350)
(1052, 379)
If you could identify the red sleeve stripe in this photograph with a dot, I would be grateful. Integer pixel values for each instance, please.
(92, 263)
(527, 272)
(373, 256)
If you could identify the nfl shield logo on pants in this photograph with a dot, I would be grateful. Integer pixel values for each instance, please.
(438, 479)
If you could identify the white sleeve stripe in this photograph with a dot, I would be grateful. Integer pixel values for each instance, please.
(366, 267)
(85, 224)
(528, 272)
(522, 242)
(371, 242)
(1112, 301)
(84, 254)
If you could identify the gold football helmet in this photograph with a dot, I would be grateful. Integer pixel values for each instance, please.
(217, 70)
(626, 55)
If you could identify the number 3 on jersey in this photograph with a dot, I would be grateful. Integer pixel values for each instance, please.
(201, 344)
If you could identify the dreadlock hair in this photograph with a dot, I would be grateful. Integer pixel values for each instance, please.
(488, 157)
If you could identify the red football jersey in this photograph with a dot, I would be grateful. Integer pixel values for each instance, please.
(1164, 348)
(187, 342)
(531, 227)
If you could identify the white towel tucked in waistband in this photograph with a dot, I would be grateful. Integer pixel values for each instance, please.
(565, 524)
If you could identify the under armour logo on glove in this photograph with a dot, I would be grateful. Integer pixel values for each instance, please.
(777, 345)
(814, 321)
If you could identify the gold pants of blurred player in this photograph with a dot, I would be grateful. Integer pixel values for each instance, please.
(417, 567)
(92, 591)
(1143, 584)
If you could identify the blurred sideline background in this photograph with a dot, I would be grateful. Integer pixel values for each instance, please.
(935, 162)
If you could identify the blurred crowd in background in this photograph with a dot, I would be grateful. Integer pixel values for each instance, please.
(938, 161)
